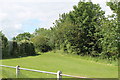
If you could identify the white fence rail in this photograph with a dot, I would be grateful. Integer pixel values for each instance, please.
(59, 73)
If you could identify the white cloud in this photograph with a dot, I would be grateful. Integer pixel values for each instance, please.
(18, 26)
(3, 16)
(13, 13)
(40, 0)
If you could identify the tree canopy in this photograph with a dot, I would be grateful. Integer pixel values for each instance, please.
(22, 36)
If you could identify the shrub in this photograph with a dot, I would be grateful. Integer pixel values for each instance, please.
(41, 43)
(26, 48)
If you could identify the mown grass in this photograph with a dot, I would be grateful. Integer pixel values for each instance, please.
(52, 62)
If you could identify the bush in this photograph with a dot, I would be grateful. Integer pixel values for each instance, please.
(19, 49)
(13, 49)
(26, 48)
(41, 43)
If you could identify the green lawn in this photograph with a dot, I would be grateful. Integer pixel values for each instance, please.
(52, 62)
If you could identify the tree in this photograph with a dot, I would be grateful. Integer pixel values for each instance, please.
(26, 48)
(109, 39)
(110, 33)
(3, 45)
(41, 43)
(21, 49)
(13, 49)
(23, 36)
(79, 28)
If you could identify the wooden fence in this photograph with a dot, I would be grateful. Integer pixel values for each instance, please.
(59, 73)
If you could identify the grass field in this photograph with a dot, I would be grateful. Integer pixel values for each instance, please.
(52, 62)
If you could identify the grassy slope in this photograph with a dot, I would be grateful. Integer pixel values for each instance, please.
(53, 62)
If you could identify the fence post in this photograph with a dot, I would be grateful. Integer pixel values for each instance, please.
(17, 71)
(59, 76)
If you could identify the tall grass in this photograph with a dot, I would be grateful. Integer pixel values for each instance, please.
(89, 58)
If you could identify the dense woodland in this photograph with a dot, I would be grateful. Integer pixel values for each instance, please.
(84, 31)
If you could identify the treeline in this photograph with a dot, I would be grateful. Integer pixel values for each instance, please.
(14, 49)
(83, 31)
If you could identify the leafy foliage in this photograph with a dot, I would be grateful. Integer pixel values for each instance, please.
(83, 31)
(26, 48)
(23, 36)
(41, 43)
(109, 40)
(3, 45)
(12, 49)
(77, 29)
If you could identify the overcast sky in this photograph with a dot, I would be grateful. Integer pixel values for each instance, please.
(18, 16)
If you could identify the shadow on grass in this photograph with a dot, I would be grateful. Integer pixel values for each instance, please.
(19, 56)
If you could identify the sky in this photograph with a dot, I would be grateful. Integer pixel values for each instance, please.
(18, 16)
